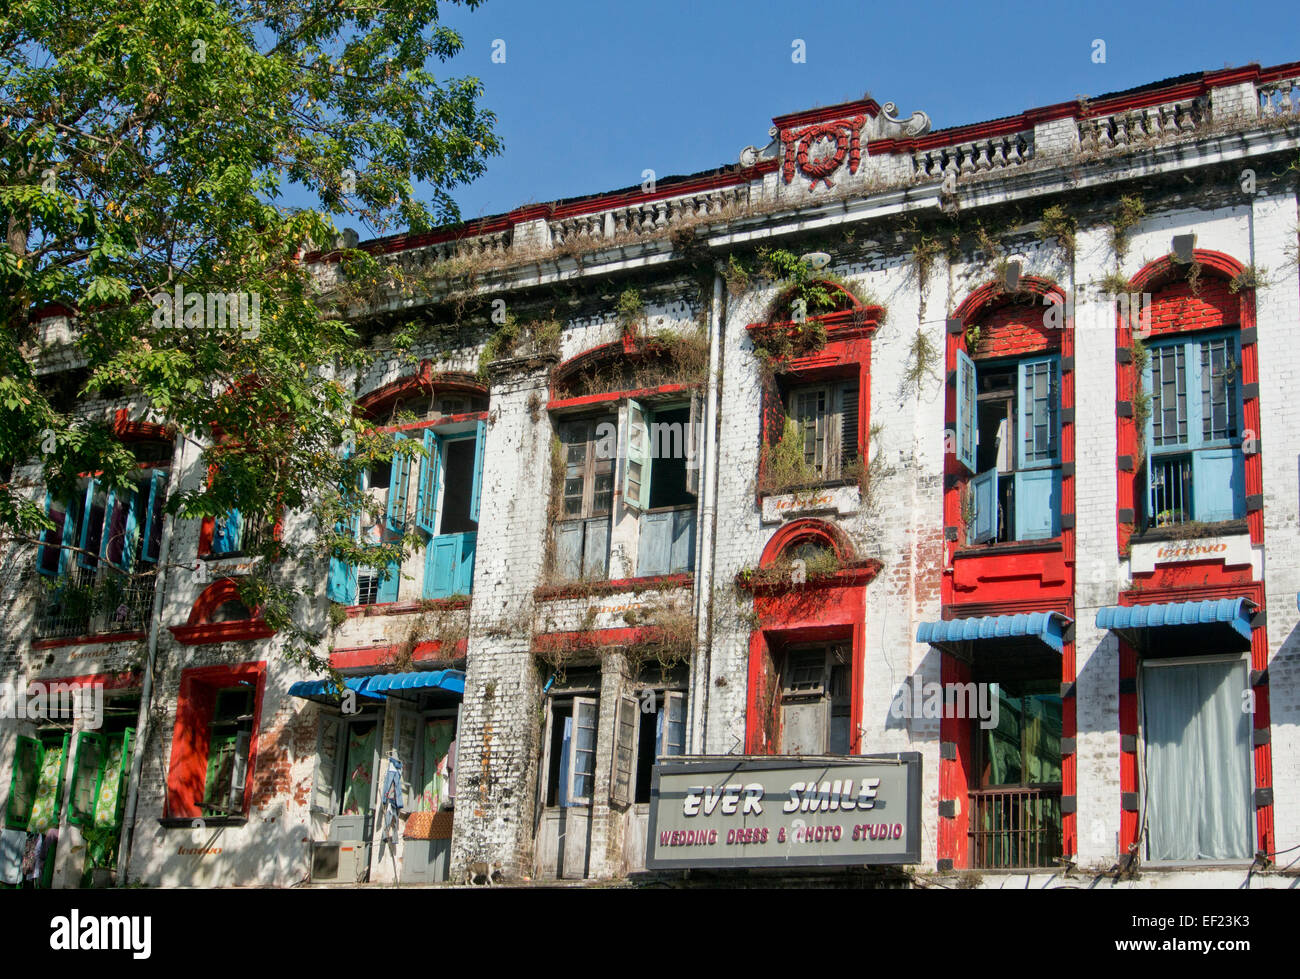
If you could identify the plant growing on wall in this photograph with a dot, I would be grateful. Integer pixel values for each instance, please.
(1057, 223)
(1128, 214)
(921, 361)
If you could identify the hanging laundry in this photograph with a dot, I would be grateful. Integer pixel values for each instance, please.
(12, 844)
(30, 848)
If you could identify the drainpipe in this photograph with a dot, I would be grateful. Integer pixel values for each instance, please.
(707, 531)
(146, 688)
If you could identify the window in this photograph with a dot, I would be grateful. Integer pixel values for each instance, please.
(582, 533)
(1015, 800)
(386, 486)
(1009, 435)
(571, 756)
(815, 701)
(230, 733)
(661, 481)
(214, 740)
(826, 421)
(98, 559)
(447, 506)
(347, 758)
(1195, 464)
(1197, 763)
(651, 724)
(35, 799)
(100, 768)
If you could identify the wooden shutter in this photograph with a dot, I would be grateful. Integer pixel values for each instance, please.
(1038, 504)
(113, 779)
(153, 518)
(28, 758)
(441, 561)
(1218, 484)
(673, 738)
(391, 584)
(966, 421)
(681, 555)
(480, 445)
(628, 730)
(848, 421)
(329, 749)
(465, 564)
(654, 548)
(399, 486)
(582, 751)
(407, 731)
(87, 770)
(694, 443)
(636, 457)
(92, 528)
(426, 511)
(239, 771)
(568, 550)
(49, 555)
(983, 491)
(595, 548)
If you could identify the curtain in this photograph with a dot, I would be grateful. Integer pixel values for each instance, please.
(438, 735)
(360, 769)
(45, 810)
(1197, 762)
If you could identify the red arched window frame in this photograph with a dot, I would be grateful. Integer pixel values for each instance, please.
(200, 630)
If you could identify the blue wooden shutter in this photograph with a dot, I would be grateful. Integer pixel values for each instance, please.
(227, 531)
(1038, 452)
(49, 556)
(984, 497)
(341, 586)
(966, 411)
(655, 545)
(465, 566)
(399, 485)
(568, 550)
(92, 530)
(71, 519)
(682, 557)
(153, 515)
(427, 498)
(1218, 485)
(636, 457)
(480, 444)
(441, 566)
(388, 588)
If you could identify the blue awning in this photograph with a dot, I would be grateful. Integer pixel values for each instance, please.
(1047, 627)
(1235, 612)
(324, 691)
(411, 685)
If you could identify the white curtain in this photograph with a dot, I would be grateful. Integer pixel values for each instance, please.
(1197, 762)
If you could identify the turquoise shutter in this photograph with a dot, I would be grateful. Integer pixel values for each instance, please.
(1038, 474)
(984, 496)
(399, 484)
(465, 567)
(389, 586)
(636, 457)
(966, 411)
(46, 551)
(153, 516)
(441, 561)
(568, 550)
(427, 501)
(226, 533)
(131, 531)
(112, 508)
(341, 586)
(71, 517)
(1218, 485)
(88, 543)
(682, 556)
(480, 442)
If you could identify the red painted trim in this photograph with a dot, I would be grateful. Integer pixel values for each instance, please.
(101, 639)
(595, 638)
(123, 680)
(589, 400)
(1155, 277)
(187, 772)
(628, 348)
(359, 657)
(199, 630)
(797, 531)
(660, 582)
(424, 383)
(127, 430)
(407, 608)
(827, 113)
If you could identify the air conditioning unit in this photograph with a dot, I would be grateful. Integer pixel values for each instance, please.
(339, 863)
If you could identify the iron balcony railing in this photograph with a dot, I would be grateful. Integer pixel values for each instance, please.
(1014, 828)
(1169, 497)
(95, 602)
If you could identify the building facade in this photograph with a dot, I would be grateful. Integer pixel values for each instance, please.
(974, 443)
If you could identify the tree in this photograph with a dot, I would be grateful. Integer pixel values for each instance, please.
(146, 147)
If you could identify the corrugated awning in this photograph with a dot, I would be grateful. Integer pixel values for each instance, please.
(411, 685)
(324, 691)
(1048, 627)
(1234, 612)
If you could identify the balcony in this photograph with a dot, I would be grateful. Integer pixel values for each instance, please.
(102, 602)
(1015, 828)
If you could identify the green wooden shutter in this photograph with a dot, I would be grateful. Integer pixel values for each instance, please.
(966, 389)
(48, 802)
(636, 457)
(113, 778)
(28, 757)
(87, 770)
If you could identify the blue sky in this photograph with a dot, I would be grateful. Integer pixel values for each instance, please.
(593, 93)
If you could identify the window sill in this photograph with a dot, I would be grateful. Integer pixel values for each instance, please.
(1191, 531)
(408, 608)
(579, 589)
(95, 639)
(806, 487)
(1010, 547)
(209, 822)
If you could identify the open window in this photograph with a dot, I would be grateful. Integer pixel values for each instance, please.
(661, 480)
(1195, 464)
(825, 417)
(814, 700)
(347, 758)
(571, 751)
(214, 741)
(651, 725)
(447, 506)
(230, 734)
(1009, 437)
